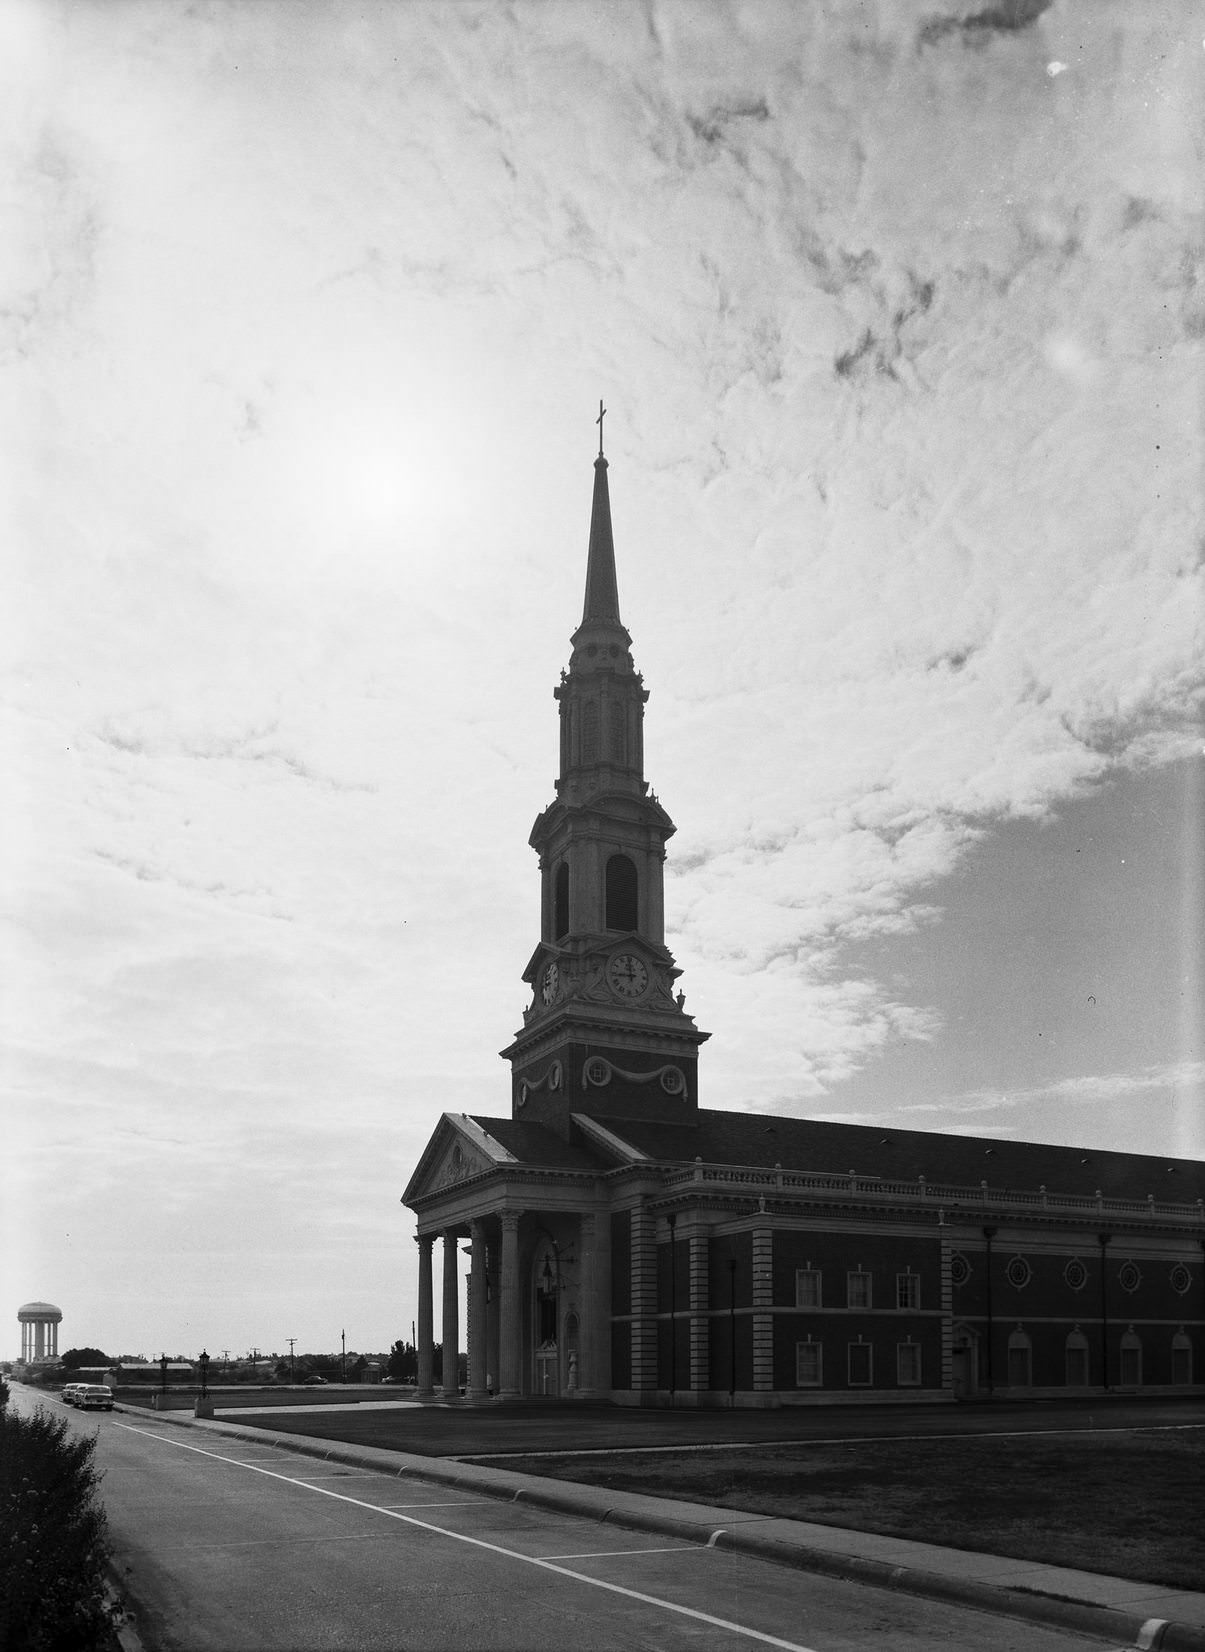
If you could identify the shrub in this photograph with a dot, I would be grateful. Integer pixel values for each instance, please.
(53, 1538)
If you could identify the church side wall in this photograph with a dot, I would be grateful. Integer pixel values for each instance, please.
(1057, 1311)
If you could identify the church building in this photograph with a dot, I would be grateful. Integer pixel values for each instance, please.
(627, 1244)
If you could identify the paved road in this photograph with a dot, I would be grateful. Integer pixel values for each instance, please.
(230, 1546)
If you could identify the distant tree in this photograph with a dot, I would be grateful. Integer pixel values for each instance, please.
(403, 1362)
(75, 1357)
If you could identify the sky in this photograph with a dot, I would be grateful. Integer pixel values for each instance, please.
(306, 311)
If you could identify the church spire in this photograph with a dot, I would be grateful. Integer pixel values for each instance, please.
(606, 1031)
(602, 590)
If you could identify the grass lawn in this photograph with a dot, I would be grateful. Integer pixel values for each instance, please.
(1128, 1504)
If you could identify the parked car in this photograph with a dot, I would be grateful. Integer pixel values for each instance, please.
(315, 1381)
(94, 1397)
(70, 1392)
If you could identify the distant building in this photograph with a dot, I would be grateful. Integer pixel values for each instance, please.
(628, 1244)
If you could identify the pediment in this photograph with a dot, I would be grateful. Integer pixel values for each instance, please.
(458, 1150)
(457, 1165)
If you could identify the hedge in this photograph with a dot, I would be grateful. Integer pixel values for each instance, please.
(53, 1540)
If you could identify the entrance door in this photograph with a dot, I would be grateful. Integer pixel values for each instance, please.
(546, 1358)
(964, 1364)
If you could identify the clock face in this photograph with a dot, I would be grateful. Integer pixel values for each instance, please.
(627, 975)
(549, 982)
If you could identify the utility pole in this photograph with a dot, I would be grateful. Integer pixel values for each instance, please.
(291, 1341)
(343, 1357)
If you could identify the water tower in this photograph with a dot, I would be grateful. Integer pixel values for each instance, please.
(39, 1323)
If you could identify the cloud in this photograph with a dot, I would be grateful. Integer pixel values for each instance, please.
(297, 509)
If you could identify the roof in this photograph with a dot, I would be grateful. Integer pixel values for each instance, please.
(537, 1146)
(768, 1140)
(39, 1310)
(765, 1139)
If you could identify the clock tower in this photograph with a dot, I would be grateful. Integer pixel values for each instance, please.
(606, 1031)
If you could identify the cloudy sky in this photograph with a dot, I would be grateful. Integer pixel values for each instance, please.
(897, 310)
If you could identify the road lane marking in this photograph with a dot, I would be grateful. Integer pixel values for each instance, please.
(335, 1474)
(446, 1503)
(606, 1554)
(493, 1548)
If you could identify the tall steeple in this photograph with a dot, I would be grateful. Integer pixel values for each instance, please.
(602, 589)
(605, 1031)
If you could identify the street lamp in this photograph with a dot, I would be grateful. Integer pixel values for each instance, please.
(203, 1362)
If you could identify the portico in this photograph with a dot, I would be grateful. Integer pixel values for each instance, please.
(538, 1300)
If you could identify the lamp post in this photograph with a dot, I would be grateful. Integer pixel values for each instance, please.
(163, 1373)
(203, 1362)
(292, 1368)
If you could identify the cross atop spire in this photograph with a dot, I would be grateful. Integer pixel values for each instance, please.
(602, 413)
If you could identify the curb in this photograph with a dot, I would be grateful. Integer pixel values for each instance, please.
(1103, 1622)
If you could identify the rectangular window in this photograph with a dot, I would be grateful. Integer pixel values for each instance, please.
(857, 1286)
(807, 1287)
(809, 1365)
(861, 1367)
(907, 1290)
(1077, 1366)
(907, 1364)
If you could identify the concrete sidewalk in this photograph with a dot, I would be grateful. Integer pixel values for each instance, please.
(1115, 1609)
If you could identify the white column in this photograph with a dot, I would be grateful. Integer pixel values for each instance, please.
(510, 1310)
(450, 1330)
(477, 1288)
(426, 1328)
(596, 1305)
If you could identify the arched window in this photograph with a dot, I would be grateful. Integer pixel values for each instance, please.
(622, 894)
(560, 902)
(1019, 1355)
(1131, 1360)
(1077, 1360)
(590, 732)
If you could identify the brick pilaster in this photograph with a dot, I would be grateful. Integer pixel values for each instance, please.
(644, 1302)
(763, 1319)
